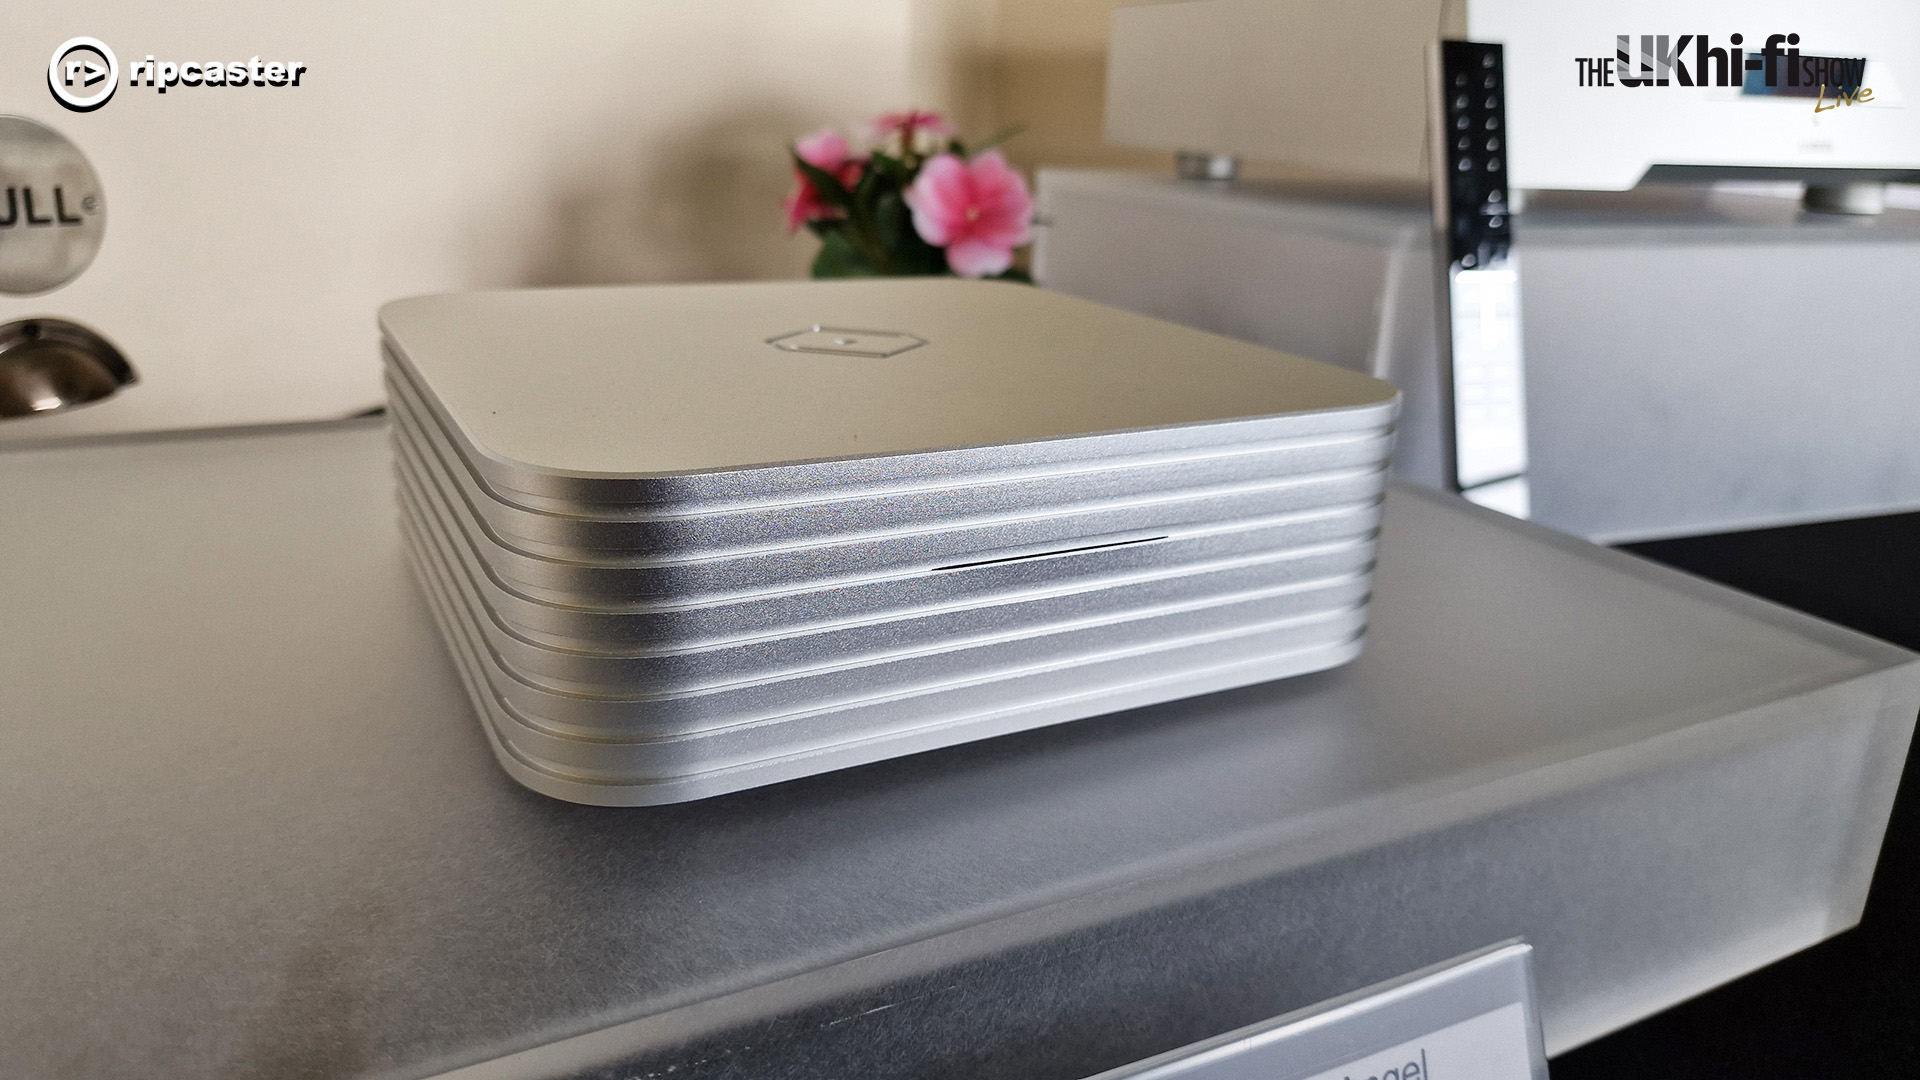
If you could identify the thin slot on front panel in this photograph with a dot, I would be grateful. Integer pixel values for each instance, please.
(1056, 553)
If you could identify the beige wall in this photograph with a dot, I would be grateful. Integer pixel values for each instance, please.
(1047, 71)
(253, 232)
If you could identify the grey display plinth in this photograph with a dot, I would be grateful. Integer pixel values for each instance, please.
(1695, 362)
(248, 827)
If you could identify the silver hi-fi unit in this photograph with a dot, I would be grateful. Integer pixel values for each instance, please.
(1700, 359)
(683, 540)
(1485, 409)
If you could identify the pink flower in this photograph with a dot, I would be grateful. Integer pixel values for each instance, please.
(906, 125)
(978, 210)
(827, 151)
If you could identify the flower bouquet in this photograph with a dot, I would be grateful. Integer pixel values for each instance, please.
(915, 202)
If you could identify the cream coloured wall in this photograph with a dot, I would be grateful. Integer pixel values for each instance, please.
(1047, 71)
(438, 145)
(253, 232)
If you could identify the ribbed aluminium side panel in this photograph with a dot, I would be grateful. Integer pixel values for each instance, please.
(748, 755)
(728, 682)
(672, 648)
(690, 622)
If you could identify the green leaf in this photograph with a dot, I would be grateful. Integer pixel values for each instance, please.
(866, 191)
(893, 229)
(892, 221)
(832, 191)
(999, 137)
(838, 258)
(890, 167)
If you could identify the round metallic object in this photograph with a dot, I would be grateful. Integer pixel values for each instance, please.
(47, 365)
(1864, 198)
(53, 213)
(1195, 165)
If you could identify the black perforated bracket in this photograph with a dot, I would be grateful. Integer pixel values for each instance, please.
(1472, 157)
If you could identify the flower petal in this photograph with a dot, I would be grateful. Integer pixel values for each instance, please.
(1004, 206)
(798, 203)
(932, 123)
(824, 149)
(939, 198)
(971, 258)
(912, 120)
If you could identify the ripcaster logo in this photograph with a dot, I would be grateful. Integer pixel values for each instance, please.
(84, 73)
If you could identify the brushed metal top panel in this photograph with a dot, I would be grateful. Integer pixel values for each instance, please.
(249, 827)
(655, 381)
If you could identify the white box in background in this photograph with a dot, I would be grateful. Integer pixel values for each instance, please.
(1697, 361)
(1341, 88)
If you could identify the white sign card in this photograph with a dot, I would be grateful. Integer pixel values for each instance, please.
(1471, 1018)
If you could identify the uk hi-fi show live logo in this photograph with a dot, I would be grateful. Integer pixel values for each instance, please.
(1777, 69)
(84, 73)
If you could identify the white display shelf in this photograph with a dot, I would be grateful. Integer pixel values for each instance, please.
(248, 826)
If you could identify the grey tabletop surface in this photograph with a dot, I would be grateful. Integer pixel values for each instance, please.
(249, 827)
